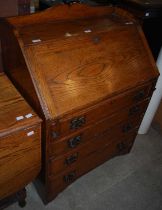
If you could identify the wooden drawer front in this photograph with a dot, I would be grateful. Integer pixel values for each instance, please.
(98, 112)
(58, 183)
(20, 159)
(74, 141)
(78, 155)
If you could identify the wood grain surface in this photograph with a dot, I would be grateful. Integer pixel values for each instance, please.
(20, 160)
(84, 69)
(20, 140)
(57, 183)
(13, 106)
(74, 68)
(61, 146)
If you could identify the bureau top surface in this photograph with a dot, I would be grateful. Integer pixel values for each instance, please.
(76, 63)
(15, 113)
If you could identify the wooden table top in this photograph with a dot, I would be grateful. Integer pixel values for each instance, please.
(15, 113)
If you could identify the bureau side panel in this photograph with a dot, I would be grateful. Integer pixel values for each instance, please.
(15, 67)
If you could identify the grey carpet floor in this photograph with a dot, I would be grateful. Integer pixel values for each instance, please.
(130, 182)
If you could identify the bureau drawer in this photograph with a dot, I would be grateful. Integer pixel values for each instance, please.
(58, 183)
(78, 155)
(95, 113)
(74, 141)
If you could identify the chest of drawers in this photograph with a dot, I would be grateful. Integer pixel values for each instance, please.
(20, 140)
(90, 75)
(150, 16)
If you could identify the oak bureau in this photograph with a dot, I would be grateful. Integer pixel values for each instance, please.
(89, 74)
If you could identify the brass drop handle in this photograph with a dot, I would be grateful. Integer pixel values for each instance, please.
(134, 110)
(71, 159)
(127, 128)
(77, 123)
(74, 142)
(139, 96)
(70, 177)
(54, 135)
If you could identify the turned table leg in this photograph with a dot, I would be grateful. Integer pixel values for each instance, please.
(21, 196)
